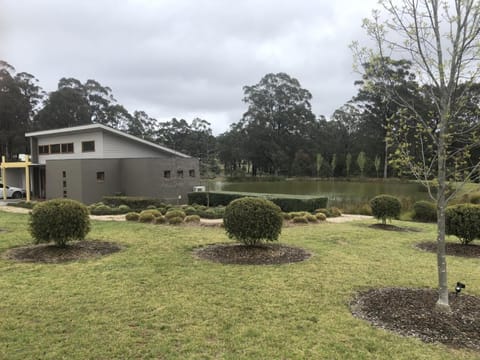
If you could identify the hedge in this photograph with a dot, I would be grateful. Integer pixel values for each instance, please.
(287, 203)
(133, 202)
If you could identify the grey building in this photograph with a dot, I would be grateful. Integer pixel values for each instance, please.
(87, 162)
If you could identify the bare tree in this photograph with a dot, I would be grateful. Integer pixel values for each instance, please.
(442, 41)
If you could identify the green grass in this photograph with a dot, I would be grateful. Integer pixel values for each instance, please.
(155, 300)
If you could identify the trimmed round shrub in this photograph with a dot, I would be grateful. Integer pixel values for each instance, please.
(60, 221)
(463, 221)
(151, 207)
(153, 212)
(323, 211)
(253, 220)
(286, 216)
(146, 217)
(474, 198)
(321, 216)
(190, 210)
(124, 207)
(160, 220)
(300, 220)
(132, 216)
(175, 213)
(175, 220)
(335, 212)
(311, 218)
(192, 219)
(385, 207)
(425, 211)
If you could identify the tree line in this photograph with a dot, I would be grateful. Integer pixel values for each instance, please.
(277, 135)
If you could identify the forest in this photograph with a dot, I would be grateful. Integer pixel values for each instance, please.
(277, 135)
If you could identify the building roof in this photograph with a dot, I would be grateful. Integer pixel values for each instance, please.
(89, 127)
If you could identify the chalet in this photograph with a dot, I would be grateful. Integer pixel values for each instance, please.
(90, 161)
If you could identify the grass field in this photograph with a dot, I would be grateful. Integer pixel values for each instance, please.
(154, 300)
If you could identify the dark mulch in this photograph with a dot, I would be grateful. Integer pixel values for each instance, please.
(411, 312)
(453, 249)
(390, 227)
(264, 254)
(51, 253)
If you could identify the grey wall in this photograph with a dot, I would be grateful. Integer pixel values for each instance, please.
(54, 179)
(145, 177)
(132, 177)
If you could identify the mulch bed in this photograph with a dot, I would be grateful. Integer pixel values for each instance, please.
(410, 312)
(264, 254)
(454, 249)
(390, 227)
(51, 253)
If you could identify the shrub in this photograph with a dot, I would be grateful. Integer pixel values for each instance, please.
(134, 202)
(192, 219)
(300, 220)
(335, 212)
(132, 216)
(146, 217)
(124, 207)
(311, 218)
(463, 221)
(323, 211)
(252, 220)
(190, 210)
(175, 220)
(321, 216)
(59, 220)
(160, 219)
(175, 213)
(286, 216)
(151, 207)
(153, 212)
(424, 211)
(474, 198)
(385, 207)
(212, 213)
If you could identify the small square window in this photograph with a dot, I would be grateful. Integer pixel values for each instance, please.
(55, 149)
(43, 149)
(64, 174)
(191, 173)
(67, 148)
(64, 183)
(64, 193)
(167, 174)
(100, 176)
(179, 173)
(88, 146)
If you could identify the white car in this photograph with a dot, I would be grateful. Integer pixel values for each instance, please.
(13, 192)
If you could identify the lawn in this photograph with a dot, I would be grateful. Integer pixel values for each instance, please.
(155, 300)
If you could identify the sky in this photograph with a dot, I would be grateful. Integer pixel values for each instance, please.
(187, 58)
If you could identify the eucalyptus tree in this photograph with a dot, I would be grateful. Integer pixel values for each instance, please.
(441, 39)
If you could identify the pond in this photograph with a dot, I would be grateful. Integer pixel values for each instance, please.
(338, 192)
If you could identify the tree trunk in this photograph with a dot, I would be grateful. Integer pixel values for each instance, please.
(385, 163)
(442, 304)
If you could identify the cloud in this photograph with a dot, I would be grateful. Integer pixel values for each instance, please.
(186, 57)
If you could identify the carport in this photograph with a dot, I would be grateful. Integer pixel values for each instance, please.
(16, 165)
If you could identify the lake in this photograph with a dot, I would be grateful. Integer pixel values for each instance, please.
(338, 192)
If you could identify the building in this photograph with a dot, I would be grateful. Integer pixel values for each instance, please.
(90, 161)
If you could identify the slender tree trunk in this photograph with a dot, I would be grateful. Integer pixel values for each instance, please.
(442, 304)
(385, 163)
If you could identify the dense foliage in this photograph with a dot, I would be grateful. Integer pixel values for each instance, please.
(60, 221)
(463, 221)
(253, 220)
(385, 207)
(425, 211)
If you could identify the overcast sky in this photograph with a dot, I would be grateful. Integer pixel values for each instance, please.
(187, 58)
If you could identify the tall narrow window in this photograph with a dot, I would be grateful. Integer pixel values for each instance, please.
(100, 176)
(88, 146)
(191, 173)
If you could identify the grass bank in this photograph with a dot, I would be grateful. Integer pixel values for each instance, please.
(155, 300)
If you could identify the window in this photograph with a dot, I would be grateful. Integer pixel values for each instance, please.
(100, 176)
(44, 149)
(64, 193)
(88, 146)
(64, 174)
(179, 173)
(191, 173)
(55, 149)
(67, 148)
(64, 183)
(167, 174)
